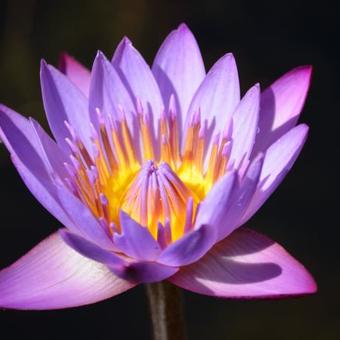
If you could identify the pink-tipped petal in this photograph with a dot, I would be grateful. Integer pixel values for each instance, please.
(281, 105)
(75, 71)
(63, 101)
(246, 265)
(244, 125)
(278, 160)
(53, 276)
(136, 75)
(178, 68)
(218, 95)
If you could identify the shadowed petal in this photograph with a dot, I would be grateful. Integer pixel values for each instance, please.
(75, 71)
(189, 248)
(135, 240)
(278, 160)
(281, 105)
(218, 95)
(84, 222)
(138, 79)
(178, 68)
(245, 121)
(54, 276)
(246, 265)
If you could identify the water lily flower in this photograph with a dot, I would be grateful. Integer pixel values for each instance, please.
(153, 172)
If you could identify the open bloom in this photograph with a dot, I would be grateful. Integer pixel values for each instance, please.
(152, 172)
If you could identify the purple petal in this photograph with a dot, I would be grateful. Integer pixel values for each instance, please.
(246, 265)
(278, 160)
(63, 101)
(91, 250)
(213, 209)
(178, 68)
(137, 77)
(135, 240)
(147, 272)
(84, 222)
(75, 71)
(108, 93)
(124, 267)
(189, 248)
(240, 199)
(53, 276)
(245, 121)
(27, 155)
(218, 95)
(281, 105)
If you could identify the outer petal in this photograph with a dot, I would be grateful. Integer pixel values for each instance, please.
(63, 101)
(27, 155)
(246, 265)
(245, 121)
(218, 95)
(281, 105)
(75, 71)
(190, 247)
(278, 160)
(84, 223)
(135, 240)
(178, 68)
(138, 79)
(53, 276)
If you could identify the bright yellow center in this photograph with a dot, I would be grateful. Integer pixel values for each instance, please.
(155, 186)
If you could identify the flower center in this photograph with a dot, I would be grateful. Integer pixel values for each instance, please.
(148, 175)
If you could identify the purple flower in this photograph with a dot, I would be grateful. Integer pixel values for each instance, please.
(152, 173)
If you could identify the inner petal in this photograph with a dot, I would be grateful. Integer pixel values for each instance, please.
(157, 195)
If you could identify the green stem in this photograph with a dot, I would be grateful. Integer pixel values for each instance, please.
(165, 301)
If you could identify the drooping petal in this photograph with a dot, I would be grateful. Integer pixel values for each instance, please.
(190, 247)
(63, 101)
(84, 222)
(246, 265)
(278, 160)
(138, 79)
(245, 121)
(108, 94)
(54, 276)
(178, 68)
(281, 105)
(135, 240)
(240, 198)
(75, 71)
(26, 151)
(218, 95)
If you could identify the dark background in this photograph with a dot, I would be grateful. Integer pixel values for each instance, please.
(267, 38)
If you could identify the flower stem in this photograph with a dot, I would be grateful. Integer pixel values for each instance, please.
(166, 309)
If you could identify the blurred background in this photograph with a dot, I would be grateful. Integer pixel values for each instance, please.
(267, 38)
